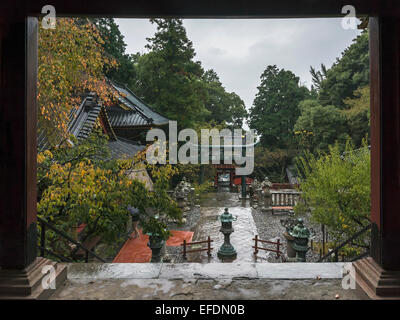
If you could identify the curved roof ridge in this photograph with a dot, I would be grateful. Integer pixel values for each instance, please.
(147, 111)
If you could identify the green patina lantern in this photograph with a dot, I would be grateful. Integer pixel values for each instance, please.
(301, 235)
(227, 251)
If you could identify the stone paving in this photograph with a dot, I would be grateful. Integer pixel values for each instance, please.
(242, 279)
(209, 225)
(230, 281)
(213, 205)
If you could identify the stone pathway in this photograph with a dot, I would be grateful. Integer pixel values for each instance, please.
(241, 239)
(212, 206)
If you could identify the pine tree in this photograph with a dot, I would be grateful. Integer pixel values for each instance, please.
(276, 107)
(169, 78)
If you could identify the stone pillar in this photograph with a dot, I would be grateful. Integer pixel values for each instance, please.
(379, 275)
(20, 274)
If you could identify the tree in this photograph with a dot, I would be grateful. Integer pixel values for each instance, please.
(318, 126)
(318, 76)
(276, 107)
(357, 114)
(348, 73)
(271, 164)
(81, 184)
(71, 62)
(168, 78)
(222, 106)
(336, 188)
(115, 46)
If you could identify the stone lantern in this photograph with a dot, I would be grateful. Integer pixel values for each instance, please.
(301, 235)
(156, 245)
(181, 193)
(227, 251)
(267, 197)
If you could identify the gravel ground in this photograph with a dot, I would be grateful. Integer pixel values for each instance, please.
(269, 228)
(174, 254)
(191, 216)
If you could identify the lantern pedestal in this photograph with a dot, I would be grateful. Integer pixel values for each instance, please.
(155, 244)
(227, 251)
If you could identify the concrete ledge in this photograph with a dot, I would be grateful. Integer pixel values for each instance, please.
(103, 271)
(208, 271)
(300, 270)
(290, 271)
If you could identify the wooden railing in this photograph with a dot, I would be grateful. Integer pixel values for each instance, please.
(45, 225)
(277, 243)
(284, 198)
(188, 244)
(336, 250)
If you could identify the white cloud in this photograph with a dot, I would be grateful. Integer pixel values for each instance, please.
(240, 49)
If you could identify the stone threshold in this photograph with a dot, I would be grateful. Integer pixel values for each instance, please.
(82, 272)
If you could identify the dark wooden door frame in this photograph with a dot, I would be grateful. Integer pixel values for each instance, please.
(18, 54)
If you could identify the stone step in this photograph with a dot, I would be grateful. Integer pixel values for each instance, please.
(27, 283)
(96, 271)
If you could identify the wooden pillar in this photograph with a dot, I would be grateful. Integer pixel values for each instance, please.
(21, 271)
(18, 142)
(379, 275)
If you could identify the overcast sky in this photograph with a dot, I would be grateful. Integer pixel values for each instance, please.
(240, 49)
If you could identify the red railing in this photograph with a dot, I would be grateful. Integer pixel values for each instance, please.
(188, 244)
(277, 251)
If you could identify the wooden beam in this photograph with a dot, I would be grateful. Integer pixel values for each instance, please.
(204, 8)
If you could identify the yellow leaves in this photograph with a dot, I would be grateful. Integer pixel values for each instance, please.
(71, 62)
(48, 154)
(40, 158)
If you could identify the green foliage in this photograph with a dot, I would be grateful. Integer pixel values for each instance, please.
(81, 184)
(207, 186)
(300, 209)
(318, 76)
(276, 107)
(336, 188)
(319, 127)
(168, 78)
(223, 106)
(114, 46)
(190, 172)
(349, 73)
(357, 115)
(71, 61)
(271, 163)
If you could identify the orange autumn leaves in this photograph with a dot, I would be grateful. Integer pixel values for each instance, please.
(71, 61)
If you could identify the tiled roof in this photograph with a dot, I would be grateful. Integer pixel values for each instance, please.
(126, 118)
(124, 149)
(130, 100)
(83, 120)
